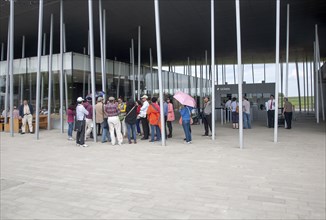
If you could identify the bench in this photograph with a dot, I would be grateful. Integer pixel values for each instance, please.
(43, 123)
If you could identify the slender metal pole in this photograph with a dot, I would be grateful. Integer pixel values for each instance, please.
(102, 44)
(139, 59)
(118, 87)
(42, 90)
(298, 82)
(64, 38)
(61, 66)
(264, 71)
(8, 69)
(11, 66)
(311, 86)
(304, 86)
(200, 85)
(234, 78)
(21, 88)
(307, 85)
(104, 53)
(44, 44)
(287, 51)
(133, 70)
(252, 70)
(237, 2)
(188, 73)
(2, 51)
(319, 73)
(50, 73)
(316, 84)
(84, 72)
(206, 69)
(92, 58)
(38, 74)
(159, 64)
(65, 72)
(282, 95)
(151, 67)
(213, 66)
(277, 69)
(23, 46)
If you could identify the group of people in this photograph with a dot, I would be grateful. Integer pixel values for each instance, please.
(116, 119)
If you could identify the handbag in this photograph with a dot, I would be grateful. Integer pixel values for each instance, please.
(79, 125)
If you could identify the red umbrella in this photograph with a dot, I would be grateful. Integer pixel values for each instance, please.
(185, 99)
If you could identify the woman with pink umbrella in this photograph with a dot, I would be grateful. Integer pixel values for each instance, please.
(188, 103)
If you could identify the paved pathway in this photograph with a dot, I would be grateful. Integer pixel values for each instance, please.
(53, 179)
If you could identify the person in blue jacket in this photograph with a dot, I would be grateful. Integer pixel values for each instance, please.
(185, 112)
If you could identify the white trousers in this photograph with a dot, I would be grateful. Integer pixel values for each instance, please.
(115, 124)
(28, 119)
(88, 127)
(124, 127)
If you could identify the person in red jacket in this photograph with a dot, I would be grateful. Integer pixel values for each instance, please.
(153, 113)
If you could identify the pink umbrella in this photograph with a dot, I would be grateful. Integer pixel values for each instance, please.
(185, 99)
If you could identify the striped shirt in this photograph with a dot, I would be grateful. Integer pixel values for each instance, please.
(111, 109)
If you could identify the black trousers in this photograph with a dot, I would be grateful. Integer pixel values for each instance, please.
(270, 115)
(169, 124)
(80, 136)
(145, 126)
(288, 119)
(98, 128)
(207, 119)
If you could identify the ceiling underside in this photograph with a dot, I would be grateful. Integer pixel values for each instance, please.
(185, 28)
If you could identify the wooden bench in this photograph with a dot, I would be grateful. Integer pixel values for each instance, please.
(43, 123)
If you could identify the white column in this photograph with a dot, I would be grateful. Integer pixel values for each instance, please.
(298, 83)
(44, 44)
(277, 66)
(2, 51)
(206, 69)
(159, 65)
(240, 79)
(50, 73)
(304, 86)
(11, 66)
(253, 71)
(287, 50)
(139, 59)
(61, 67)
(213, 66)
(104, 54)
(38, 74)
(118, 87)
(7, 73)
(92, 59)
(151, 67)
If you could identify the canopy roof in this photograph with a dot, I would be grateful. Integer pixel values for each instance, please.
(185, 28)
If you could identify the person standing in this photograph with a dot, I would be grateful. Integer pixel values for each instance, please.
(271, 111)
(246, 113)
(122, 106)
(166, 111)
(287, 112)
(89, 118)
(139, 105)
(26, 113)
(227, 109)
(143, 117)
(185, 112)
(71, 113)
(99, 114)
(81, 114)
(131, 118)
(112, 111)
(207, 116)
(153, 113)
(171, 117)
(235, 113)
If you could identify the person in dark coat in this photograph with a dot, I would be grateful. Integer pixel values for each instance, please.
(130, 120)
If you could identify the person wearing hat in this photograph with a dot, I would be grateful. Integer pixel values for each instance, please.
(81, 113)
(99, 114)
(89, 118)
(143, 117)
(112, 111)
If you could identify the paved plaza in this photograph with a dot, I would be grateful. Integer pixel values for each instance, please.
(51, 178)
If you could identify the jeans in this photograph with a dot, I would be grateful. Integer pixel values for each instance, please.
(186, 129)
(158, 132)
(246, 120)
(138, 125)
(131, 128)
(70, 128)
(105, 133)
